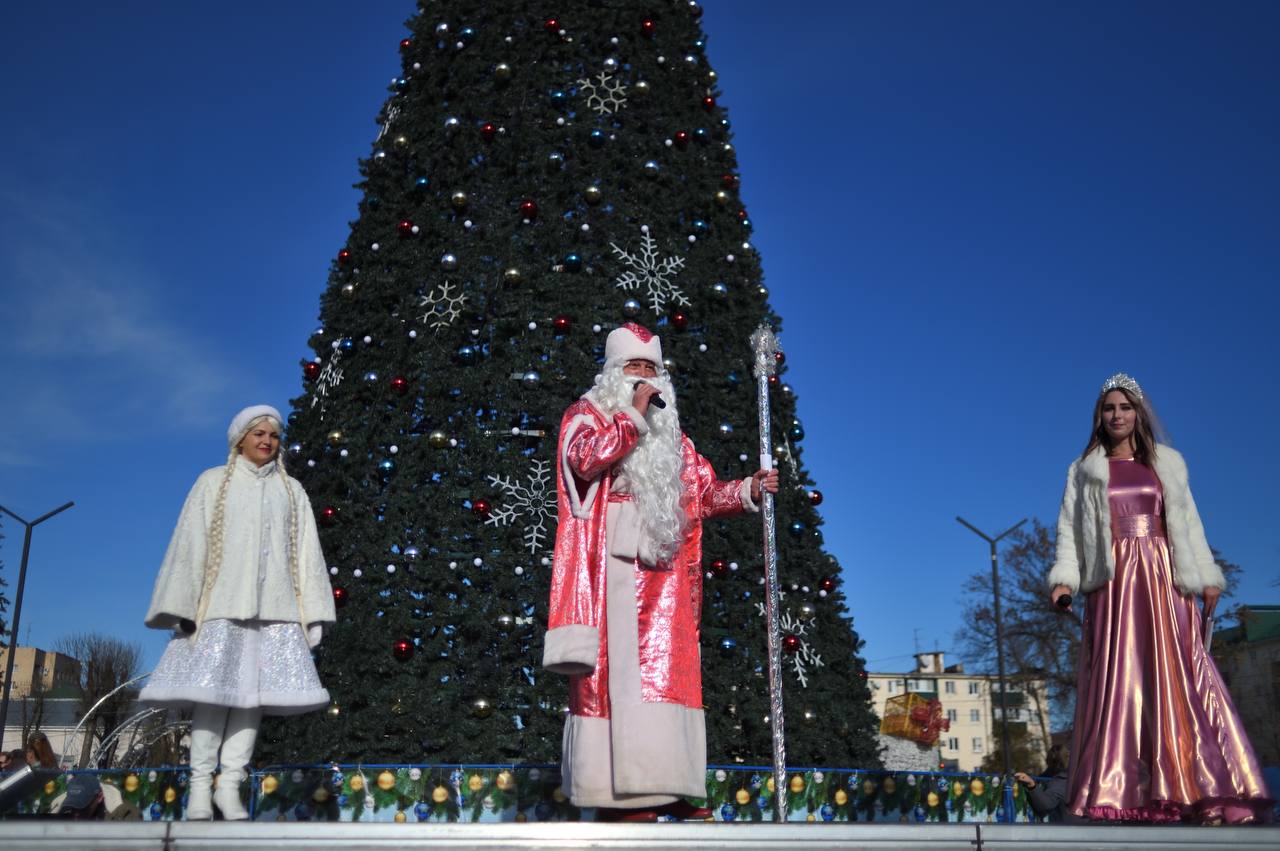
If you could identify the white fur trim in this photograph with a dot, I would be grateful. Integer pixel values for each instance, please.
(622, 344)
(636, 418)
(579, 507)
(748, 504)
(571, 649)
(240, 422)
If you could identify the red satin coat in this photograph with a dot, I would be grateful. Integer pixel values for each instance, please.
(668, 598)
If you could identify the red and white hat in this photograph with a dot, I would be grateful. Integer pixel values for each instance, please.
(632, 342)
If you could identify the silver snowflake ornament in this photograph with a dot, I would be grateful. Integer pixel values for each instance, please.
(329, 378)
(443, 305)
(648, 271)
(534, 503)
(805, 657)
(604, 93)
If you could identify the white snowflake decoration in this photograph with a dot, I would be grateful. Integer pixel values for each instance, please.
(646, 269)
(329, 378)
(604, 93)
(804, 658)
(443, 306)
(536, 502)
(391, 116)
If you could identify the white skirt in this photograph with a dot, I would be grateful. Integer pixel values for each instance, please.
(240, 664)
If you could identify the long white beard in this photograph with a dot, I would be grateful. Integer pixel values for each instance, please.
(653, 467)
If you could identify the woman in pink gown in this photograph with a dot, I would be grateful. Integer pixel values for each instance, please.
(1157, 737)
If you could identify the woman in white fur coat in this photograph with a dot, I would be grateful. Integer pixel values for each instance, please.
(245, 590)
(1156, 737)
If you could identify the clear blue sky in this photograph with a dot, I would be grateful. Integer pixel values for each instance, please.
(969, 213)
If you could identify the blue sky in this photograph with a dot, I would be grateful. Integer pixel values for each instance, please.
(969, 214)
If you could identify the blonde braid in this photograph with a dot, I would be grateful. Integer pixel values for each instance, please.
(295, 569)
(217, 528)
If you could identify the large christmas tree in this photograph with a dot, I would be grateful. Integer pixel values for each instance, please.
(535, 182)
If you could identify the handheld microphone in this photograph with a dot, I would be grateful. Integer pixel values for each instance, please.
(1064, 602)
(655, 399)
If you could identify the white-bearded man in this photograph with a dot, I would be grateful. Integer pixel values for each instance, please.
(626, 588)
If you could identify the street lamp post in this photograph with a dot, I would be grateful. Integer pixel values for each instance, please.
(17, 607)
(1004, 714)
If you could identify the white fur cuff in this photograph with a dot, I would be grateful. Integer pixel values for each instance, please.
(641, 425)
(571, 649)
(744, 493)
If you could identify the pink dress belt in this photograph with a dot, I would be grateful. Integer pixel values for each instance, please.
(1138, 526)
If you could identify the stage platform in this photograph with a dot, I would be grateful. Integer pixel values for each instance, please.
(258, 836)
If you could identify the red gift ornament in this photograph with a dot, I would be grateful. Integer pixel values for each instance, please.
(790, 643)
(344, 255)
(482, 508)
(400, 385)
(930, 721)
(405, 227)
(529, 208)
(339, 597)
(311, 370)
(488, 131)
(403, 649)
(562, 324)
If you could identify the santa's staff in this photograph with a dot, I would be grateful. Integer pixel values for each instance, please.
(765, 345)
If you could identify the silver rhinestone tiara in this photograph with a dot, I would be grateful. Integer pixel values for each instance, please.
(1121, 381)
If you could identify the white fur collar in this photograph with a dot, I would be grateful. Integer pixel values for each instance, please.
(1169, 466)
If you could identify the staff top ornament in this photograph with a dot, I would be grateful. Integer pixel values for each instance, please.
(764, 343)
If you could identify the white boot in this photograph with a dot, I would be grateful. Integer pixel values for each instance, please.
(207, 723)
(237, 750)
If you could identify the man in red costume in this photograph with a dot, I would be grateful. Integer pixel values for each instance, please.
(626, 587)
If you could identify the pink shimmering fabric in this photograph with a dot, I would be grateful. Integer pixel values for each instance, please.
(1157, 737)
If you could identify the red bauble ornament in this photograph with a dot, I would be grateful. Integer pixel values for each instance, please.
(773, 381)
(729, 181)
(339, 597)
(562, 324)
(405, 227)
(552, 25)
(679, 321)
(311, 370)
(344, 255)
(708, 103)
(780, 357)
(815, 497)
(328, 515)
(529, 208)
(482, 508)
(719, 567)
(682, 138)
(400, 385)
(827, 584)
(488, 131)
(742, 214)
(403, 649)
(406, 43)
(790, 643)
(648, 26)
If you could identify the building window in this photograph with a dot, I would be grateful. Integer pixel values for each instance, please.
(975, 714)
(953, 743)
(949, 686)
(893, 686)
(951, 715)
(977, 744)
(975, 687)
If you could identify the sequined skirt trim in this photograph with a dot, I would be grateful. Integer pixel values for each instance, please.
(239, 664)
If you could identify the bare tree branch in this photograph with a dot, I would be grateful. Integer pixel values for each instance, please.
(105, 663)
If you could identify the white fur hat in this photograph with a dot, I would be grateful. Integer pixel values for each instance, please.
(240, 422)
(632, 342)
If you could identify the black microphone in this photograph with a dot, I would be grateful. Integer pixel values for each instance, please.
(655, 399)
(1064, 602)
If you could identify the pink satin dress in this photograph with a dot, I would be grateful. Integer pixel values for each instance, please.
(1157, 738)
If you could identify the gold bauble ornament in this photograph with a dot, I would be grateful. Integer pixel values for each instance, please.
(868, 787)
(743, 797)
(977, 787)
(397, 708)
(797, 784)
(357, 783)
(438, 440)
(481, 708)
(402, 141)
(348, 289)
(841, 797)
(521, 818)
(769, 784)
(505, 780)
(335, 436)
(932, 799)
(131, 783)
(458, 200)
(722, 198)
(475, 783)
(957, 789)
(890, 785)
(400, 817)
(811, 817)
(440, 794)
(513, 275)
(592, 194)
(334, 710)
(50, 788)
(170, 795)
(270, 784)
(321, 795)
(558, 796)
(502, 72)
(386, 781)
(642, 88)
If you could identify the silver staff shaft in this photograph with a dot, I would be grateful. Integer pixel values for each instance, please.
(765, 345)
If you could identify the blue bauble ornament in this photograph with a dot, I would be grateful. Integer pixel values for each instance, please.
(559, 98)
(919, 813)
(336, 779)
(466, 35)
(797, 431)
(386, 466)
(701, 135)
(156, 811)
(401, 84)
(422, 183)
(544, 811)
(597, 138)
(728, 812)
(422, 811)
(342, 801)
(555, 160)
(572, 262)
(303, 811)
(467, 354)
(728, 645)
(732, 379)
(347, 344)
(827, 812)
(456, 777)
(796, 528)
(700, 227)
